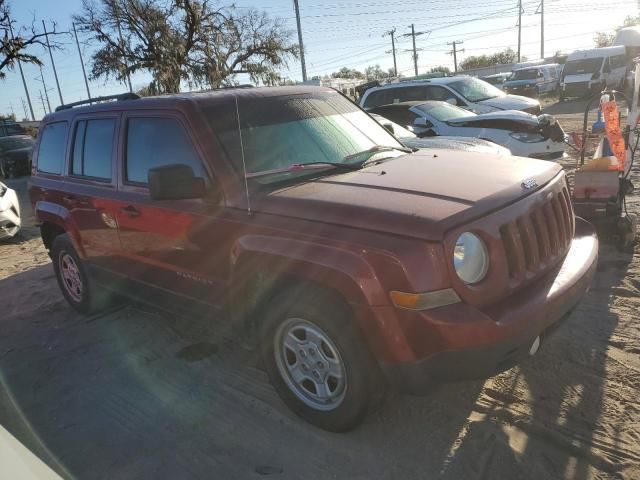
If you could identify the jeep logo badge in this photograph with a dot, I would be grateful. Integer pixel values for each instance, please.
(529, 184)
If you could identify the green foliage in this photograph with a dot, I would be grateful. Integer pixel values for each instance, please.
(345, 72)
(440, 69)
(184, 40)
(499, 58)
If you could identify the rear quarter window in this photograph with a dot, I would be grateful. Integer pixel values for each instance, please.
(53, 142)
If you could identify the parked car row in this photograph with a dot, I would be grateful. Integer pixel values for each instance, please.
(360, 265)
(523, 134)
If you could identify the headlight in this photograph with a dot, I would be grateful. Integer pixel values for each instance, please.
(527, 137)
(470, 258)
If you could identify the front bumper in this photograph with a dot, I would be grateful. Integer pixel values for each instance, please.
(10, 220)
(482, 343)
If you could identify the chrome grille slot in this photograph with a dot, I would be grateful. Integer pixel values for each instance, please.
(533, 241)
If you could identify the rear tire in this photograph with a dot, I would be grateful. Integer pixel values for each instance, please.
(317, 361)
(73, 278)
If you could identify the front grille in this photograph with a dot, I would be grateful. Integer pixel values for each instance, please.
(539, 238)
(576, 89)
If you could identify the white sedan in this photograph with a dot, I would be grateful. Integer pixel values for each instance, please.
(524, 134)
(10, 220)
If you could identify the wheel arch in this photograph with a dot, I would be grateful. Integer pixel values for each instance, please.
(56, 220)
(264, 266)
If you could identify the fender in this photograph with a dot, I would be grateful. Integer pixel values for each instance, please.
(341, 270)
(56, 214)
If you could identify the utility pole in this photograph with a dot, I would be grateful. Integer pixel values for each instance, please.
(24, 108)
(519, 27)
(55, 73)
(392, 33)
(44, 86)
(24, 83)
(44, 108)
(415, 53)
(12, 111)
(84, 74)
(541, 28)
(540, 11)
(454, 52)
(300, 44)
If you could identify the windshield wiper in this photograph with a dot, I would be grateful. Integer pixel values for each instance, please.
(301, 167)
(375, 149)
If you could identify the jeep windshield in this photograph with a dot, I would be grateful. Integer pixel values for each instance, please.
(294, 137)
(475, 90)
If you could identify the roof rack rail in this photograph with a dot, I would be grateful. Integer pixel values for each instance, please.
(119, 97)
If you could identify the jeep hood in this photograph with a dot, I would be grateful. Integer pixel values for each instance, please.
(510, 102)
(420, 195)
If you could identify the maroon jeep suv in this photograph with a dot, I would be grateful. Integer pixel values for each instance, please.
(360, 264)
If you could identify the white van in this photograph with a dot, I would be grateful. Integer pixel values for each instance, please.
(589, 71)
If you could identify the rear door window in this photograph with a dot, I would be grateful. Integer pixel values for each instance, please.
(52, 148)
(155, 142)
(93, 148)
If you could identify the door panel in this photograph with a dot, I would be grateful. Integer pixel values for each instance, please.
(92, 188)
(178, 246)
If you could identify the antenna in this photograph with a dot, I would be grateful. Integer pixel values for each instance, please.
(244, 165)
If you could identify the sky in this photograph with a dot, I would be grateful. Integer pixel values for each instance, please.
(338, 33)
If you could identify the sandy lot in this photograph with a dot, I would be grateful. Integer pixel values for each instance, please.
(131, 393)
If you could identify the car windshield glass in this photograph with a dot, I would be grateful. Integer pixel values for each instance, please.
(586, 65)
(443, 111)
(15, 143)
(475, 90)
(529, 74)
(282, 133)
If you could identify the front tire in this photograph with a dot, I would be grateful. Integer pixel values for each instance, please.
(73, 279)
(317, 361)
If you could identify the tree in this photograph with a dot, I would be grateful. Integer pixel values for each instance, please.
(184, 40)
(345, 72)
(604, 39)
(14, 49)
(499, 58)
(374, 72)
(440, 69)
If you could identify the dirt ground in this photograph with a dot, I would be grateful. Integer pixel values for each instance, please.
(136, 394)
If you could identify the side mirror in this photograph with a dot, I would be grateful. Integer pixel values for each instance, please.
(422, 122)
(451, 101)
(175, 182)
(389, 128)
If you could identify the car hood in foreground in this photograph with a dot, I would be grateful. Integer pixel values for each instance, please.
(466, 144)
(510, 102)
(512, 120)
(420, 195)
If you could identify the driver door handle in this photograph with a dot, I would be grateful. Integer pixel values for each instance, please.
(130, 211)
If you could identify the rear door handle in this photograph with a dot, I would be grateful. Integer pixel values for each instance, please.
(70, 198)
(130, 211)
